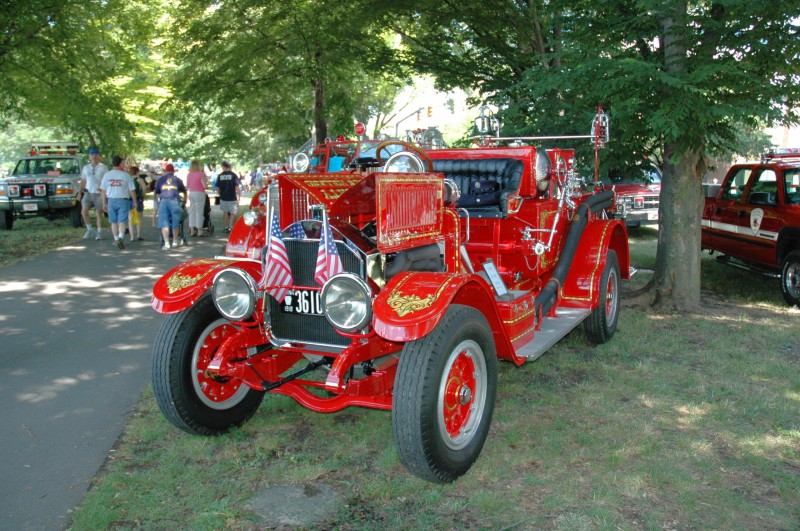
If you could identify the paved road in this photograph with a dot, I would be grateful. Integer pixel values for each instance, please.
(77, 333)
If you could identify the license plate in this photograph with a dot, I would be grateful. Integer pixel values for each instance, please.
(301, 301)
(30, 207)
(652, 216)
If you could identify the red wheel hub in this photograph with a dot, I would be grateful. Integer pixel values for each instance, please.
(459, 394)
(214, 388)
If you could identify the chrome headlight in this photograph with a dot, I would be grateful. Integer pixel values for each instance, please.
(250, 217)
(300, 162)
(404, 162)
(234, 294)
(347, 302)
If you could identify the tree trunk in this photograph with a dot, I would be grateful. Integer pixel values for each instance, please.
(677, 274)
(320, 124)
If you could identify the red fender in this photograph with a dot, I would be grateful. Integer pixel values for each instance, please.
(583, 279)
(183, 285)
(413, 303)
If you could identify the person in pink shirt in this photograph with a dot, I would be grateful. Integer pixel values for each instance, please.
(196, 182)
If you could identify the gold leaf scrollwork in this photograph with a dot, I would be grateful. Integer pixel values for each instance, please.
(405, 304)
(178, 282)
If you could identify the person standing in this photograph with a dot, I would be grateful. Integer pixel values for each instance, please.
(135, 217)
(196, 182)
(229, 194)
(168, 194)
(118, 193)
(89, 192)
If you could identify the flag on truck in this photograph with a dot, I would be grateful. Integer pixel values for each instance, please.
(328, 261)
(277, 276)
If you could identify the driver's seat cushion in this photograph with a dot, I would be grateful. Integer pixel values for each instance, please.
(485, 184)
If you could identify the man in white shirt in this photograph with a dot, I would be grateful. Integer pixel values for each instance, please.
(89, 192)
(119, 195)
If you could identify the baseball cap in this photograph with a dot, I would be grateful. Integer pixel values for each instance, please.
(169, 168)
(226, 164)
(94, 151)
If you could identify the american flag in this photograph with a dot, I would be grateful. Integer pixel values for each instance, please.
(328, 261)
(277, 272)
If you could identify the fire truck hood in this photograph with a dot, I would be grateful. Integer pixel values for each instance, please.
(339, 192)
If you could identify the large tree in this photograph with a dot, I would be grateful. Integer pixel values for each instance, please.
(285, 67)
(77, 66)
(679, 78)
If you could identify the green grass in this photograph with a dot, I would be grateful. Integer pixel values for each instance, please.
(679, 422)
(33, 236)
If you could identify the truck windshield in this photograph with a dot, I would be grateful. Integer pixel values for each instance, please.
(45, 166)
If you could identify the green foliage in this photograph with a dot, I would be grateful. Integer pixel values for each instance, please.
(16, 138)
(547, 65)
(257, 76)
(76, 66)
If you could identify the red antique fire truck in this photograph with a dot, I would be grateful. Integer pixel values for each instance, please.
(396, 283)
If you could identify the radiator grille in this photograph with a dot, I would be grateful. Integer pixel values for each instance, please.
(309, 328)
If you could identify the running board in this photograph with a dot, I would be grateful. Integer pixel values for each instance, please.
(553, 329)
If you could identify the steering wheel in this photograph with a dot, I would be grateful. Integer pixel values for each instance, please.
(406, 147)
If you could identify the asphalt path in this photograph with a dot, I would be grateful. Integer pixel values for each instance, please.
(77, 336)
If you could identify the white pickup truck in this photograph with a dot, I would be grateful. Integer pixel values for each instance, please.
(44, 183)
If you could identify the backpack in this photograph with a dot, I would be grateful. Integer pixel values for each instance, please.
(138, 188)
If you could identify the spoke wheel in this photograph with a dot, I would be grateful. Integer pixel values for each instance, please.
(462, 397)
(214, 393)
(444, 396)
(186, 394)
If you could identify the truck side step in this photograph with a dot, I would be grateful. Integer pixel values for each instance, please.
(553, 329)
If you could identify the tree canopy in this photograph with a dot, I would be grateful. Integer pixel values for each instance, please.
(681, 79)
(77, 66)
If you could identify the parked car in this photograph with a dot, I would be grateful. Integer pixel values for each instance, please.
(395, 285)
(44, 183)
(637, 196)
(753, 219)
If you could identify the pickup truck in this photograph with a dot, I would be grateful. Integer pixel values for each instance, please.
(44, 183)
(753, 218)
(637, 197)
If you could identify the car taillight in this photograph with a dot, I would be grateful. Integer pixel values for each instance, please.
(13, 190)
(64, 189)
(638, 202)
(40, 190)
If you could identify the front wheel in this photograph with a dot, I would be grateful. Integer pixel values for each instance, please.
(790, 278)
(6, 220)
(602, 322)
(188, 397)
(444, 396)
(75, 216)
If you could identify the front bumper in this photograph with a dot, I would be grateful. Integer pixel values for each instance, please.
(636, 216)
(37, 205)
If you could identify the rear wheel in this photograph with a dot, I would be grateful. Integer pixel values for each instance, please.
(444, 396)
(602, 322)
(188, 397)
(6, 220)
(790, 278)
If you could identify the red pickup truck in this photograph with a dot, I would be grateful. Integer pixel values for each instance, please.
(753, 218)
